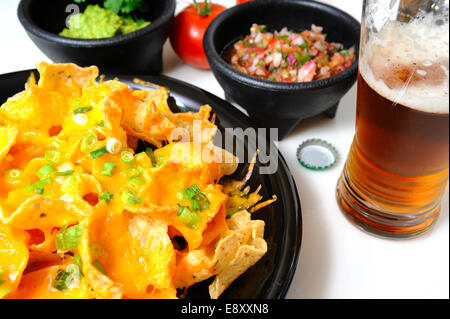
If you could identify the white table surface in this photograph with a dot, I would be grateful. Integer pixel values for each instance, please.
(337, 260)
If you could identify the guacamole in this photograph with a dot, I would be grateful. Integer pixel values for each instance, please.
(96, 23)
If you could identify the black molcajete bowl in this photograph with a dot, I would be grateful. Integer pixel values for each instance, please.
(138, 52)
(275, 104)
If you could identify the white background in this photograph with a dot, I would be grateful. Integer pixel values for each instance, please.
(337, 260)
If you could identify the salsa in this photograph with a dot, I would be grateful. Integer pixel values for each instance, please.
(287, 56)
(96, 23)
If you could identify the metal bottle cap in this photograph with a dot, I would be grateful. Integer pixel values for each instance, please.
(316, 154)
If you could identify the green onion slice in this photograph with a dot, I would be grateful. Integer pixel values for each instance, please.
(198, 199)
(77, 261)
(45, 171)
(107, 197)
(160, 161)
(82, 110)
(74, 271)
(188, 217)
(127, 157)
(108, 169)
(113, 146)
(132, 172)
(99, 152)
(88, 143)
(65, 173)
(42, 183)
(68, 238)
(151, 154)
(135, 182)
(60, 281)
(53, 157)
(131, 198)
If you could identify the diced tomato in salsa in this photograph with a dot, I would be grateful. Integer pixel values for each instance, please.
(287, 56)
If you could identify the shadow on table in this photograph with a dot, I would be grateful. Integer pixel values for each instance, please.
(345, 115)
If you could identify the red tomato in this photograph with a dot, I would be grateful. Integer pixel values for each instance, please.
(188, 30)
(242, 1)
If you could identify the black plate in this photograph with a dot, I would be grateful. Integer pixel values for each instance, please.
(271, 277)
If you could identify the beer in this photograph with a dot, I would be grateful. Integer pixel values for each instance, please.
(397, 169)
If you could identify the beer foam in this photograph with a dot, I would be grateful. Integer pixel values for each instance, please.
(408, 63)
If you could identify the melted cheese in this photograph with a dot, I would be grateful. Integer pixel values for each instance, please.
(129, 213)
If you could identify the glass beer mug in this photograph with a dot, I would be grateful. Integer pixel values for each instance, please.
(397, 170)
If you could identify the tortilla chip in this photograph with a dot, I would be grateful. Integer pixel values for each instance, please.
(158, 95)
(45, 214)
(141, 117)
(45, 105)
(243, 247)
(8, 136)
(39, 259)
(215, 228)
(193, 267)
(68, 79)
(100, 286)
(39, 285)
(27, 146)
(228, 161)
(196, 126)
(157, 249)
(250, 251)
(170, 183)
(36, 108)
(13, 255)
(138, 254)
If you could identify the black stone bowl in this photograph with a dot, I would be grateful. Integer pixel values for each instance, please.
(137, 52)
(275, 104)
